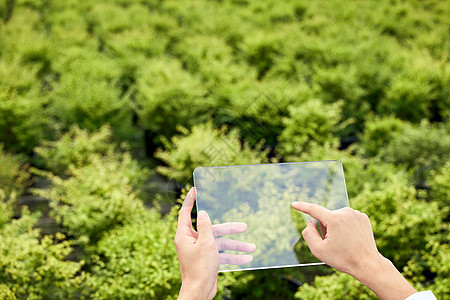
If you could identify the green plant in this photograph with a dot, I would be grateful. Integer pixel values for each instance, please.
(419, 149)
(335, 286)
(14, 176)
(167, 96)
(94, 102)
(22, 121)
(235, 77)
(6, 292)
(202, 147)
(75, 149)
(312, 123)
(34, 266)
(137, 260)
(96, 198)
(378, 133)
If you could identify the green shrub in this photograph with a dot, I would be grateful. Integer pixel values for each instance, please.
(419, 149)
(22, 114)
(93, 103)
(419, 90)
(431, 269)
(261, 50)
(137, 260)
(6, 9)
(258, 110)
(202, 147)
(440, 186)
(147, 67)
(13, 173)
(378, 133)
(75, 149)
(312, 123)
(342, 83)
(24, 70)
(399, 218)
(32, 266)
(96, 198)
(360, 174)
(6, 208)
(336, 286)
(6, 292)
(169, 96)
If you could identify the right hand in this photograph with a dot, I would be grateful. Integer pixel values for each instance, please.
(348, 245)
(348, 242)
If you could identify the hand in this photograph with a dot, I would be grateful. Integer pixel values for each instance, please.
(348, 245)
(198, 252)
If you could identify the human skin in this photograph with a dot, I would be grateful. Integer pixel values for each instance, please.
(198, 251)
(348, 245)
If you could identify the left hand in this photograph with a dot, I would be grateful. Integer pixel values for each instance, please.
(198, 252)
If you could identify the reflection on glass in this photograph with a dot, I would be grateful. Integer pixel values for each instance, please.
(261, 196)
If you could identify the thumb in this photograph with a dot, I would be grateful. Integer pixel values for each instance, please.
(312, 238)
(204, 226)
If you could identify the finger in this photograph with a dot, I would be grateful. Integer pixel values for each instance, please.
(194, 233)
(316, 211)
(312, 237)
(229, 228)
(234, 259)
(228, 244)
(204, 227)
(184, 215)
(225, 228)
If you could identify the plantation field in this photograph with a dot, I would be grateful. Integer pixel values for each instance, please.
(106, 108)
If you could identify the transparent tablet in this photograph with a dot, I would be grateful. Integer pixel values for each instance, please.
(260, 196)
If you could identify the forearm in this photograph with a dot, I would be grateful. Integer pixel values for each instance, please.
(191, 292)
(385, 280)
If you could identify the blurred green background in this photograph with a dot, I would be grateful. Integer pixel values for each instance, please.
(106, 107)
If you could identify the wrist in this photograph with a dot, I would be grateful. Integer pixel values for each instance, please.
(191, 291)
(382, 277)
(372, 271)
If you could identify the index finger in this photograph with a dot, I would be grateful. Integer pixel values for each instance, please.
(184, 215)
(316, 211)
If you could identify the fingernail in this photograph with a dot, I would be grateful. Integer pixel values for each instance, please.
(249, 258)
(202, 214)
(295, 203)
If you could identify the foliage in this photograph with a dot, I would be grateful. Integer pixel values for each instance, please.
(312, 123)
(205, 146)
(420, 149)
(13, 174)
(6, 292)
(94, 102)
(22, 124)
(395, 204)
(75, 149)
(335, 286)
(95, 199)
(435, 257)
(32, 266)
(6, 208)
(207, 83)
(378, 133)
(440, 186)
(166, 90)
(136, 260)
